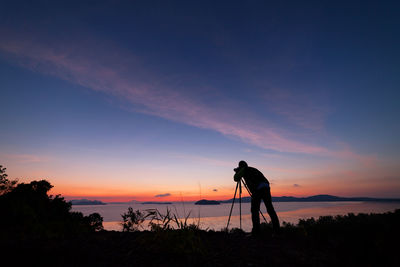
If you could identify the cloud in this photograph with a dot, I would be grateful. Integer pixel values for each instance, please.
(300, 109)
(296, 185)
(202, 160)
(106, 68)
(25, 158)
(215, 190)
(163, 195)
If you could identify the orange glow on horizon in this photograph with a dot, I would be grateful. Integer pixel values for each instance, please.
(189, 196)
(124, 195)
(342, 183)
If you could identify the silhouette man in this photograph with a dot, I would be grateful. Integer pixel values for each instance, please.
(260, 190)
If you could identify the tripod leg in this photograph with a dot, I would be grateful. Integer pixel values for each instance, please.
(240, 202)
(233, 202)
(263, 216)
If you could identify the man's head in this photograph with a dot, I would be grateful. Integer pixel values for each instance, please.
(242, 164)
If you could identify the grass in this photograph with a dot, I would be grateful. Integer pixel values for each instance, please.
(156, 221)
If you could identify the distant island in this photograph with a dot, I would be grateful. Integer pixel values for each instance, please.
(86, 202)
(319, 198)
(157, 202)
(207, 202)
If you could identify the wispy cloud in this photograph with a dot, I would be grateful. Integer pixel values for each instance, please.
(25, 158)
(120, 74)
(298, 108)
(202, 160)
(163, 195)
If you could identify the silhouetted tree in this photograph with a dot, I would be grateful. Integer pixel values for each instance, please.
(95, 221)
(28, 209)
(132, 220)
(5, 184)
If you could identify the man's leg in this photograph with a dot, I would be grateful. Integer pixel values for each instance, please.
(255, 216)
(270, 209)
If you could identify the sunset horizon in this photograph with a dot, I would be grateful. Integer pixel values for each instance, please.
(127, 101)
(199, 133)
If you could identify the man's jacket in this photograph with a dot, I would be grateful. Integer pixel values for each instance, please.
(252, 177)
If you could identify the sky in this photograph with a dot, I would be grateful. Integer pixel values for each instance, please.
(160, 100)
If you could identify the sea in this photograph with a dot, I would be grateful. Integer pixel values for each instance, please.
(215, 217)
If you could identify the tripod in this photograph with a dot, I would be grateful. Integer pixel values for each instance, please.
(239, 185)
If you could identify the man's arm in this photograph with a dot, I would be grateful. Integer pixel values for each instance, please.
(238, 175)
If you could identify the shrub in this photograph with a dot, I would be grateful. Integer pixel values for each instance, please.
(132, 220)
(5, 184)
(28, 210)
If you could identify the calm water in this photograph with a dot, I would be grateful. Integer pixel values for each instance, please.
(216, 216)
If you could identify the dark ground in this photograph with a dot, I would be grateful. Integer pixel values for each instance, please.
(352, 240)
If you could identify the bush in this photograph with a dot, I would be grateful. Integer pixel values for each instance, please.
(132, 220)
(5, 184)
(28, 210)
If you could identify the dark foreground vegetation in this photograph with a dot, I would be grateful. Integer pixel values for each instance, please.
(40, 230)
(27, 211)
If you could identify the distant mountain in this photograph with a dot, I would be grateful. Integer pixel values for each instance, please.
(86, 202)
(207, 202)
(318, 198)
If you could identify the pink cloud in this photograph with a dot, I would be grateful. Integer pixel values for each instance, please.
(346, 153)
(116, 72)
